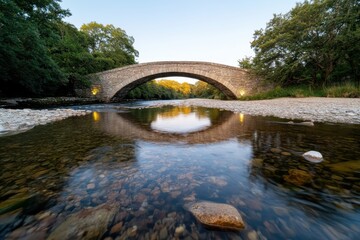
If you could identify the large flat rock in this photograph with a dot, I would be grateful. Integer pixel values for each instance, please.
(216, 215)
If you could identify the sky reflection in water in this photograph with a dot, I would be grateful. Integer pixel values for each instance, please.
(183, 123)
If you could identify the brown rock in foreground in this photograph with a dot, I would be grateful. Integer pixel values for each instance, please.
(298, 177)
(89, 223)
(216, 215)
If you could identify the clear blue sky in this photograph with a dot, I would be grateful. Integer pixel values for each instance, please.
(199, 30)
(217, 31)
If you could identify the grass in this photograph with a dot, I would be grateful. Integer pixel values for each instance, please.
(346, 90)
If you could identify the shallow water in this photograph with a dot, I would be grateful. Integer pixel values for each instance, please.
(139, 167)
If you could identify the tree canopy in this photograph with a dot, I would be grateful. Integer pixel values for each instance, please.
(170, 89)
(110, 44)
(26, 65)
(315, 43)
(41, 55)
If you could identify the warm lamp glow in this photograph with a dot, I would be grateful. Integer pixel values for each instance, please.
(242, 92)
(95, 90)
(96, 116)
(241, 117)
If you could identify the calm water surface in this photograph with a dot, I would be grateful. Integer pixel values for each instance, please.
(127, 173)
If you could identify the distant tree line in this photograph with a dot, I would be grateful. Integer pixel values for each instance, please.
(316, 43)
(170, 89)
(41, 55)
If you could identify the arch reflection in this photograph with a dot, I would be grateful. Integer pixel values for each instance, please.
(173, 124)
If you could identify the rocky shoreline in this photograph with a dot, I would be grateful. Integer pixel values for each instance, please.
(315, 109)
(20, 120)
(331, 110)
(41, 103)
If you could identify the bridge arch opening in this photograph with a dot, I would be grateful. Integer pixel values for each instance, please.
(116, 83)
(121, 93)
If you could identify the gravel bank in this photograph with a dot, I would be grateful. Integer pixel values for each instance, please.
(333, 110)
(15, 120)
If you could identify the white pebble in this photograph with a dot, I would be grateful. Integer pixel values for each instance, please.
(313, 156)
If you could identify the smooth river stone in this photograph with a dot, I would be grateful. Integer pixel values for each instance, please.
(216, 215)
(298, 177)
(313, 156)
(88, 223)
(347, 166)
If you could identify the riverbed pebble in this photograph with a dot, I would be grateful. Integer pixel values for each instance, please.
(179, 230)
(313, 156)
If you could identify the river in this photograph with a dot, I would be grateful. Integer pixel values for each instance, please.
(125, 172)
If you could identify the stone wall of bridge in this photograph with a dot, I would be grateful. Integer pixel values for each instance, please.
(116, 83)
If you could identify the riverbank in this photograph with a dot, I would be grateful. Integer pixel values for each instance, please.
(41, 103)
(331, 110)
(20, 120)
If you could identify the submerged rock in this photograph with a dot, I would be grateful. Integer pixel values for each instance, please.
(89, 223)
(257, 162)
(218, 181)
(216, 215)
(275, 150)
(17, 201)
(298, 177)
(348, 166)
(313, 156)
(9, 218)
(179, 230)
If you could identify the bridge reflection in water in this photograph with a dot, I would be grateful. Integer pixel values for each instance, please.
(271, 149)
(251, 163)
(173, 124)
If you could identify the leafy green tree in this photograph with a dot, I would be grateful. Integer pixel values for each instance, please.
(246, 63)
(204, 90)
(71, 53)
(315, 43)
(25, 63)
(347, 19)
(153, 90)
(110, 46)
(170, 89)
(182, 90)
(40, 55)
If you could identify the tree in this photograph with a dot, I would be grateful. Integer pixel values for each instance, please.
(311, 44)
(25, 62)
(40, 55)
(204, 90)
(170, 89)
(348, 20)
(72, 55)
(111, 46)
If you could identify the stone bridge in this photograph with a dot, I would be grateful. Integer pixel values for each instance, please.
(116, 83)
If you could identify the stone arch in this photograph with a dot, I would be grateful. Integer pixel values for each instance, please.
(232, 81)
